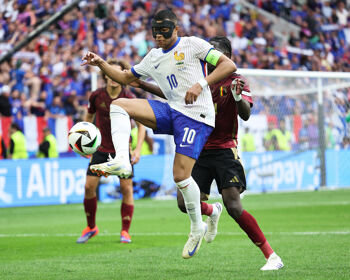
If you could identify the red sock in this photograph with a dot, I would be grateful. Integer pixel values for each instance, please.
(126, 211)
(90, 206)
(252, 229)
(207, 209)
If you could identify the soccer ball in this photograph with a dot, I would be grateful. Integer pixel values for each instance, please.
(84, 138)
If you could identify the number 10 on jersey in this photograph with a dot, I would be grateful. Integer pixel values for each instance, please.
(172, 81)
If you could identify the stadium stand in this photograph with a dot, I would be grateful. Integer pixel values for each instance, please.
(48, 86)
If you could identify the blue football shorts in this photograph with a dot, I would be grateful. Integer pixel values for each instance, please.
(189, 135)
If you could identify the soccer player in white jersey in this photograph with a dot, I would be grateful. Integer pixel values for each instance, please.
(178, 67)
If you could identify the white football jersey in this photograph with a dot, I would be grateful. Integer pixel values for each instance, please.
(175, 71)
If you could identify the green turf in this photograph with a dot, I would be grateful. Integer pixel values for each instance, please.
(309, 230)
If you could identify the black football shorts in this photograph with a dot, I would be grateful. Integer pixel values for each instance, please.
(100, 157)
(223, 165)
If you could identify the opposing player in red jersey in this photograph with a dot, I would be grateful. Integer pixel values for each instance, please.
(219, 158)
(99, 103)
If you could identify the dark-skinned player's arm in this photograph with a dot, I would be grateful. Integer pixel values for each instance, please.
(120, 76)
(243, 105)
(151, 88)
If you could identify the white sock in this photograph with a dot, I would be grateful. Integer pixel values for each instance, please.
(191, 194)
(215, 211)
(120, 129)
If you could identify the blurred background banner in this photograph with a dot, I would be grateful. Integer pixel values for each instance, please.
(59, 181)
(32, 127)
(42, 181)
(289, 171)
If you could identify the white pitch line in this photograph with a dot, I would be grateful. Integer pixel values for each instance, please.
(172, 234)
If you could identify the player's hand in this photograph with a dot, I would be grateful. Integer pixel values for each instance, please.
(91, 59)
(193, 93)
(135, 156)
(237, 86)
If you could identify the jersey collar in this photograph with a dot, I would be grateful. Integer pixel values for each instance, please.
(173, 46)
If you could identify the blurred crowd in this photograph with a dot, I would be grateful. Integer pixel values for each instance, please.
(45, 78)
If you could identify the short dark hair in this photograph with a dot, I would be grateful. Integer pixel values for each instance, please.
(223, 42)
(165, 14)
(16, 126)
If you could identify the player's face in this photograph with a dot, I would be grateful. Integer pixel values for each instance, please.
(110, 82)
(166, 43)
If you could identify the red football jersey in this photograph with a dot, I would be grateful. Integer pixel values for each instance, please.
(224, 134)
(99, 103)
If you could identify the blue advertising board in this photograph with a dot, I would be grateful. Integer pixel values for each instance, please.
(287, 171)
(59, 181)
(62, 180)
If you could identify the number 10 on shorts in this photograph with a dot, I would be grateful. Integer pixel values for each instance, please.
(188, 136)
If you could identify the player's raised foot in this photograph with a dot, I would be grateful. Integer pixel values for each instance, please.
(125, 237)
(119, 166)
(87, 233)
(212, 222)
(194, 243)
(274, 262)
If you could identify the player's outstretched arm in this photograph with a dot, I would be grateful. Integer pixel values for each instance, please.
(224, 67)
(120, 76)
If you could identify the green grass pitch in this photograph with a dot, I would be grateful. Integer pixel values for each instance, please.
(309, 230)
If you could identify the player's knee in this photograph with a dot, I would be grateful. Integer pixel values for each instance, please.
(90, 191)
(180, 174)
(121, 102)
(126, 189)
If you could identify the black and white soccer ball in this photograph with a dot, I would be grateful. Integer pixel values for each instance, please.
(84, 138)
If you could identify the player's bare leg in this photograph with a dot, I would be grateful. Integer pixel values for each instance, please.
(190, 191)
(90, 207)
(126, 209)
(232, 202)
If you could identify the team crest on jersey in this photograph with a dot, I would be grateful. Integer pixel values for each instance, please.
(179, 58)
